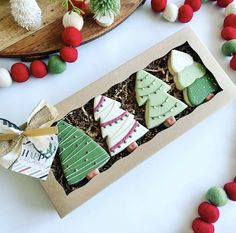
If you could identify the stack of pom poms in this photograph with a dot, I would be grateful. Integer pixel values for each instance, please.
(171, 12)
(19, 72)
(209, 210)
(228, 32)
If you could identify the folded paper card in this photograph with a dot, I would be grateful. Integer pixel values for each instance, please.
(31, 150)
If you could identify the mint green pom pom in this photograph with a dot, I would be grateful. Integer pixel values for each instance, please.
(56, 65)
(217, 196)
(229, 48)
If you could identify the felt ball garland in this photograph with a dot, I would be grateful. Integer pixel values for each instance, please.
(209, 210)
(71, 37)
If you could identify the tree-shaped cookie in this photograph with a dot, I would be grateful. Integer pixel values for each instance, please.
(118, 126)
(202, 89)
(160, 106)
(80, 155)
(184, 69)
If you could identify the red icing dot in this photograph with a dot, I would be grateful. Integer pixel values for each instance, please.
(199, 226)
(71, 36)
(195, 4)
(19, 72)
(38, 69)
(233, 66)
(224, 3)
(209, 213)
(69, 54)
(228, 33)
(230, 21)
(230, 188)
(158, 5)
(185, 13)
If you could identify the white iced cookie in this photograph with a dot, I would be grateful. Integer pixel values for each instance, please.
(26, 13)
(73, 19)
(106, 20)
(171, 12)
(230, 9)
(179, 60)
(5, 78)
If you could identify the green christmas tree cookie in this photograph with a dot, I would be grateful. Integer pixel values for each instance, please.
(196, 93)
(188, 75)
(160, 106)
(80, 155)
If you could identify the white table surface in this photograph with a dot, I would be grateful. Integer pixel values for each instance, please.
(159, 196)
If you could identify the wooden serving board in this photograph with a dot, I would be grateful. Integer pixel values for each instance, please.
(18, 42)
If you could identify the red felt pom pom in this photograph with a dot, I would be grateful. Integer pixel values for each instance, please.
(38, 69)
(69, 54)
(185, 13)
(158, 5)
(81, 4)
(208, 213)
(224, 3)
(230, 188)
(195, 4)
(71, 36)
(199, 226)
(228, 33)
(19, 72)
(230, 21)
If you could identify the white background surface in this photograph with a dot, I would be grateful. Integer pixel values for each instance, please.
(161, 195)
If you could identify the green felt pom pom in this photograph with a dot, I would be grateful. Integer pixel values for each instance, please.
(56, 65)
(217, 196)
(229, 48)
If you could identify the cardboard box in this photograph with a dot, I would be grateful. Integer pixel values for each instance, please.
(63, 203)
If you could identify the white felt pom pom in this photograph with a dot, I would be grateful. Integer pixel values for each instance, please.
(5, 78)
(171, 12)
(105, 21)
(26, 13)
(230, 9)
(73, 19)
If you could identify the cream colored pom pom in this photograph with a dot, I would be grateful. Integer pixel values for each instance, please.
(26, 13)
(5, 78)
(230, 9)
(171, 12)
(73, 19)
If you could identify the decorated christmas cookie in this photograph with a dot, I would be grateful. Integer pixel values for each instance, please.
(80, 155)
(118, 126)
(178, 61)
(196, 93)
(160, 106)
(147, 84)
(188, 75)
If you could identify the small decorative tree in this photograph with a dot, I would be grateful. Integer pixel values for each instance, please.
(117, 125)
(80, 155)
(160, 106)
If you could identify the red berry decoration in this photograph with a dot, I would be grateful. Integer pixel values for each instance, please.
(208, 212)
(230, 189)
(224, 3)
(81, 4)
(19, 72)
(230, 21)
(199, 226)
(158, 5)
(228, 33)
(71, 36)
(195, 4)
(185, 13)
(69, 54)
(38, 69)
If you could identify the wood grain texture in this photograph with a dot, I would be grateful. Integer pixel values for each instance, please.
(17, 42)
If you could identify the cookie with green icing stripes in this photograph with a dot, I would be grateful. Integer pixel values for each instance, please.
(196, 93)
(79, 154)
(188, 75)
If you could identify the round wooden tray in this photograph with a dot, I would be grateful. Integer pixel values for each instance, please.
(17, 42)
